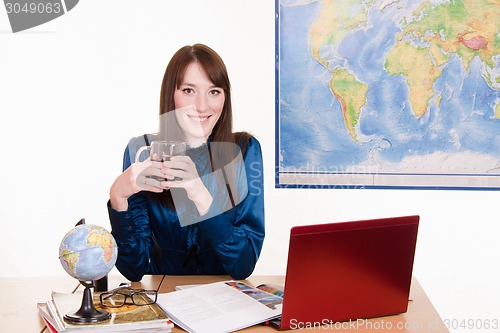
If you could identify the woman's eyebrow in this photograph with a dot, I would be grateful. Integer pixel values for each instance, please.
(188, 84)
(194, 85)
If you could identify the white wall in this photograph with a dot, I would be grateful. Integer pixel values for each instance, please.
(73, 91)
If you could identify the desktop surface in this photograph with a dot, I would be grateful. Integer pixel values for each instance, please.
(20, 313)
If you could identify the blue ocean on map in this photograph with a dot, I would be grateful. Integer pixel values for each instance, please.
(459, 128)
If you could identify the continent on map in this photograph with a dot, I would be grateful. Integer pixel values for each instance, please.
(418, 66)
(352, 97)
(467, 28)
(71, 259)
(335, 21)
(98, 238)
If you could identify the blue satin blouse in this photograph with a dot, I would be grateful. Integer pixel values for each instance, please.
(154, 239)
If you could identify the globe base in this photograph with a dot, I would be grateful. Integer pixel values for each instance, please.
(87, 312)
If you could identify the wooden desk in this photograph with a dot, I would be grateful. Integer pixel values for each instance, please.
(421, 315)
(18, 311)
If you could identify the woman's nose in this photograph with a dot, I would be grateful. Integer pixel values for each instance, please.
(201, 104)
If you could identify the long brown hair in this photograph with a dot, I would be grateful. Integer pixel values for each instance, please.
(216, 71)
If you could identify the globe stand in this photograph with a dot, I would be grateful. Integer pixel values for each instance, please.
(87, 312)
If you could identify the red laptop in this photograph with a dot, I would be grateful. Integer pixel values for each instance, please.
(348, 270)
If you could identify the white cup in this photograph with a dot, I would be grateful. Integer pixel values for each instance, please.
(160, 151)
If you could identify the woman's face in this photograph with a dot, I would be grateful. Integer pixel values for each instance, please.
(198, 105)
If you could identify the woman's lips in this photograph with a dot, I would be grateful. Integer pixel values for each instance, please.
(199, 119)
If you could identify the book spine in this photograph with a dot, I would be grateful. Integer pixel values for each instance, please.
(55, 314)
(49, 326)
(47, 318)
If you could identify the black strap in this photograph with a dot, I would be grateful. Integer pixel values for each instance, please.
(224, 175)
(146, 139)
(228, 187)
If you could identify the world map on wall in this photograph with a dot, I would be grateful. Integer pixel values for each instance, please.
(388, 93)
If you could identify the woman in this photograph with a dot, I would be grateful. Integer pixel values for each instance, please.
(205, 215)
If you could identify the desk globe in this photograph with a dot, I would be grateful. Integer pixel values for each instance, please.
(88, 252)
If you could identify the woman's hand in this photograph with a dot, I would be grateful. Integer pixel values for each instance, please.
(181, 172)
(140, 176)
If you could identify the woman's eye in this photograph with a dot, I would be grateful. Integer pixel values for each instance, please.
(215, 92)
(187, 90)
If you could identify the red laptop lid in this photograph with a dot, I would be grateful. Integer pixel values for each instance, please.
(349, 270)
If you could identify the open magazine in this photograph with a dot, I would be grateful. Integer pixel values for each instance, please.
(220, 307)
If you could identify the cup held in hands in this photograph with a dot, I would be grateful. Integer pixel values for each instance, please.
(162, 150)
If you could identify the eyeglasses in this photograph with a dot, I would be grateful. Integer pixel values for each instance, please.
(118, 297)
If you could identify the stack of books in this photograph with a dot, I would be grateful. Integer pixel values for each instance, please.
(128, 318)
